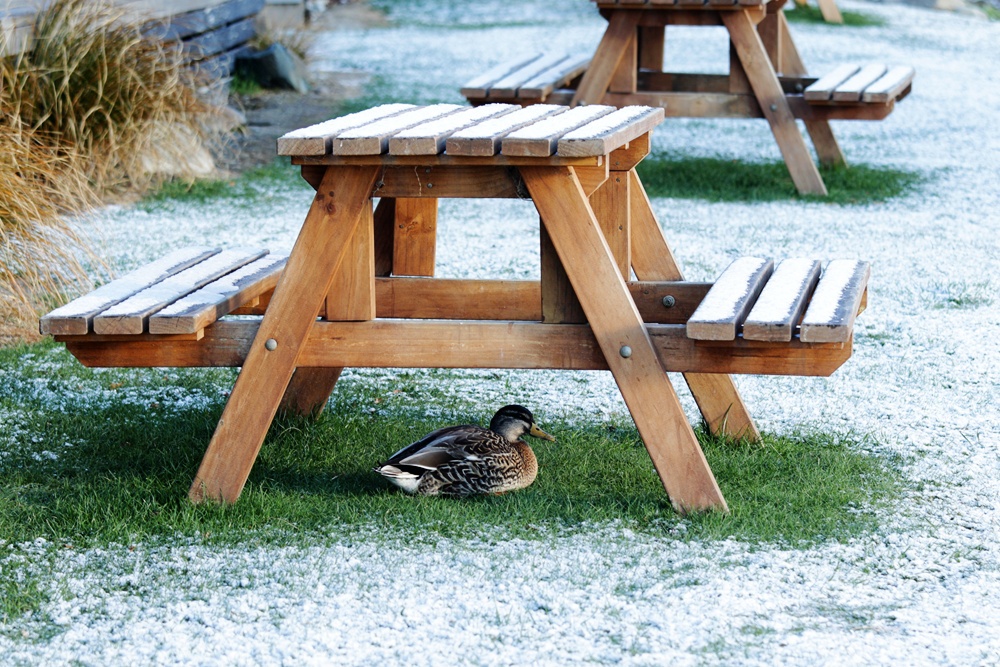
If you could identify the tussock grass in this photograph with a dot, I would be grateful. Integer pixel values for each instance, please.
(107, 456)
(725, 180)
(98, 108)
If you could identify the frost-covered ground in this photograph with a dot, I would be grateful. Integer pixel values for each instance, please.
(922, 383)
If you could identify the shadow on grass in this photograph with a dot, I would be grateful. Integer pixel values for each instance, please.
(127, 480)
(721, 180)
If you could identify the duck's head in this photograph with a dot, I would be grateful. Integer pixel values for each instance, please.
(513, 421)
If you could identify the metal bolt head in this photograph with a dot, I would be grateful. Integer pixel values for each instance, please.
(625, 351)
(270, 344)
(774, 107)
(669, 301)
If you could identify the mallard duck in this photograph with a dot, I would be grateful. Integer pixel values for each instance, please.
(467, 460)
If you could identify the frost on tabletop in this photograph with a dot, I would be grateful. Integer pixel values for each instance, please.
(609, 123)
(335, 125)
(829, 296)
(782, 292)
(400, 121)
(458, 120)
(561, 123)
(507, 122)
(226, 286)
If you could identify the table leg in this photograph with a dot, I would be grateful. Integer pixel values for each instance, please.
(771, 97)
(623, 339)
(309, 390)
(610, 52)
(337, 209)
(716, 394)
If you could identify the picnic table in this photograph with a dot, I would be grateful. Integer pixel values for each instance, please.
(766, 79)
(358, 287)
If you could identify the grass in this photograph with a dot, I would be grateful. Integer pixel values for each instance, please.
(724, 180)
(107, 456)
(248, 188)
(812, 14)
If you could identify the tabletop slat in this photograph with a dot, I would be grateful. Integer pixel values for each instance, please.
(545, 82)
(835, 303)
(821, 89)
(509, 85)
(890, 85)
(74, 318)
(128, 316)
(782, 301)
(480, 86)
(204, 306)
(316, 139)
(483, 139)
(429, 138)
(851, 90)
(540, 139)
(373, 138)
(601, 136)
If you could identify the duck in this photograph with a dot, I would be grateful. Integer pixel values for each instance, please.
(469, 460)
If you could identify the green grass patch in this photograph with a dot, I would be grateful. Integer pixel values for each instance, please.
(244, 85)
(725, 180)
(249, 187)
(812, 14)
(107, 457)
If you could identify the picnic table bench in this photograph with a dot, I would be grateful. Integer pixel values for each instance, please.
(358, 288)
(766, 79)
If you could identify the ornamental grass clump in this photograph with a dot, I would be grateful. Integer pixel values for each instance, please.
(98, 108)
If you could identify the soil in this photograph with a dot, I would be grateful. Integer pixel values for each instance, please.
(271, 113)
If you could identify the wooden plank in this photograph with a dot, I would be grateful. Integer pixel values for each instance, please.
(373, 139)
(718, 399)
(559, 302)
(782, 301)
(351, 295)
(651, 42)
(726, 305)
(890, 86)
(823, 88)
(479, 87)
(415, 240)
(320, 248)
(440, 183)
(624, 78)
(851, 90)
(386, 160)
(836, 302)
(429, 138)
(316, 139)
(129, 316)
(202, 307)
(186, 23)
(219, 41)
(623, 339)
(508, 86)
(74, 318)
(308, 391)
(830, 11)
(541, 138)
(398, 344)
(611, 207)
(483, 139)
(603, 135)
(610, 52)
(558, 75)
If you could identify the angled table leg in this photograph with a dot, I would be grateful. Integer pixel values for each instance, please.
(770, 96)
(622, 336)
(336, 211)
(716, 394)
(614, 44)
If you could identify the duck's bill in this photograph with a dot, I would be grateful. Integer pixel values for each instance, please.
(539, 433)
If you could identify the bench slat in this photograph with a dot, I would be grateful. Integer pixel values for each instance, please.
(429, 138)
(725, 306)
(220, 297)
(483, 139)
(480, 86)
(822, 89)
(835, 304)
(128, 316)
(559, 75)
(850, 90)
(540, 139)
(316, 139)
(781, 303)
(75, 317)
(373, 139)
(889, 87)
(601, 136)
(508, 86)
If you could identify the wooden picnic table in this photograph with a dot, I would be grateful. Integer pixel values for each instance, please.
(766, 79)
(358, 287)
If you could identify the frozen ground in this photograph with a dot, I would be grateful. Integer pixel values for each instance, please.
(922, 383)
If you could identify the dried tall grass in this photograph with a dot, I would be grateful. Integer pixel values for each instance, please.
(98, 108)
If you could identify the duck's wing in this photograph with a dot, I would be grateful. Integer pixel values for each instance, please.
(433, 449)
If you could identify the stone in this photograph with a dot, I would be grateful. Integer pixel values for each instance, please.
(274, 67)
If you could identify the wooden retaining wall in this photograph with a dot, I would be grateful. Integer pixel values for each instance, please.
(211, 32)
